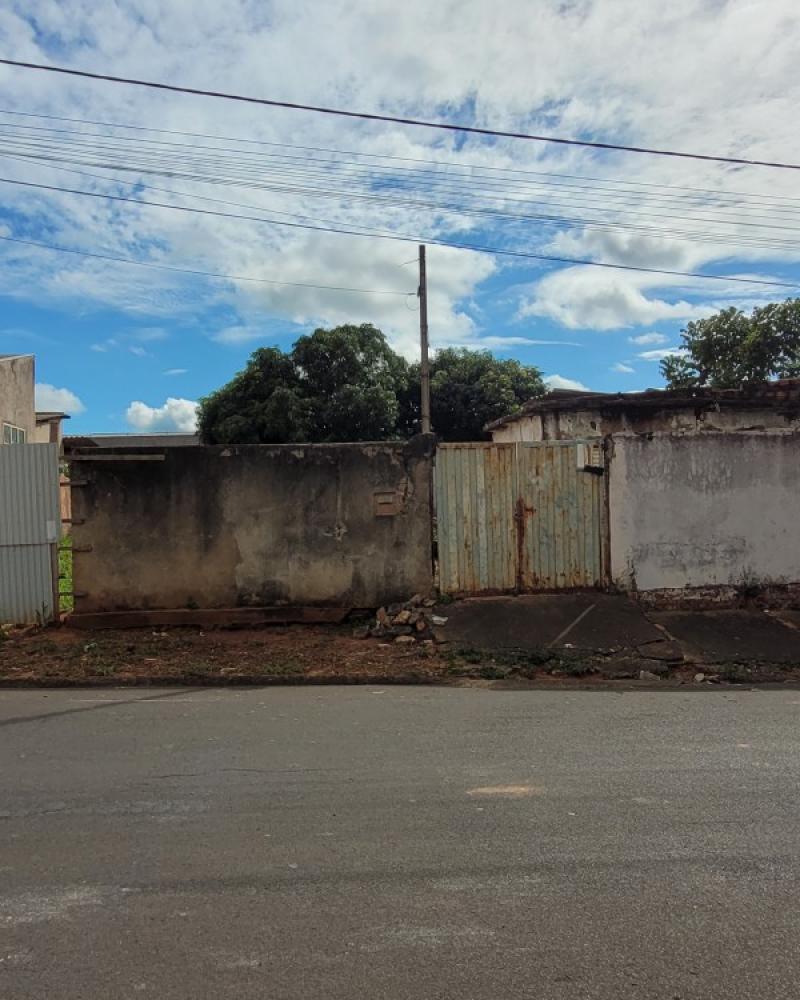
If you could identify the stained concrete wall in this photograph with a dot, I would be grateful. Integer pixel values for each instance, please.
(709, 510)
(256, 525)
(17, 405)
(564, 425)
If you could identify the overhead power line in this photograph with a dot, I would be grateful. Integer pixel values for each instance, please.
(396, 120)
(743, 242)
(199, 273)
(403, 238)
(471, 168)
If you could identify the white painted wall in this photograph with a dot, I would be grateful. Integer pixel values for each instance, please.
(704, 510)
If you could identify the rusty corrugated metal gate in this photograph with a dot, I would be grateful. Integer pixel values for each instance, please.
(520, 517)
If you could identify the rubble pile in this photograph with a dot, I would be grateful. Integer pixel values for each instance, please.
(412, 621)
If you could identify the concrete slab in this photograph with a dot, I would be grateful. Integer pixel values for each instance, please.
(585, 620)
(731, 635)
(789, 617)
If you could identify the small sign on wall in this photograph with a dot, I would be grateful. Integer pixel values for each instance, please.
(385, 503)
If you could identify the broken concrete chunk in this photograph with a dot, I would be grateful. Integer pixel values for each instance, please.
(648, 675)
(699, 678)
(429, 602)
(402, 617)
(382, 616)
(438, 620)
(416, 600)
(404, 639)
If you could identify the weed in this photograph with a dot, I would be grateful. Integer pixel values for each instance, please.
(65, 599)
(200, 668)
(573, 668)
(282, 668)
(104, 668)
(735, 673)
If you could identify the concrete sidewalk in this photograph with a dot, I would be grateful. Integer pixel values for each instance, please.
(594, 622)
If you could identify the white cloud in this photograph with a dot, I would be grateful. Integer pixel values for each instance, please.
(622, 368)
(100, 348)
(660, 353)
(173, 415)
(492, 65)
(648, 338)
(140, 352)
(176, 371)
(234, 335)
(48, 397)
(583, 298)
(559, 382)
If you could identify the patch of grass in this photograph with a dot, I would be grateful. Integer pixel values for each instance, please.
(200, 668)
(66, 601)
(469, 661)
(734, 673)
(573, 668)
(282, 668)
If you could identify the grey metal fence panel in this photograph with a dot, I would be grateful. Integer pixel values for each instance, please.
(26, 583)
(30, 526)
(29, 494)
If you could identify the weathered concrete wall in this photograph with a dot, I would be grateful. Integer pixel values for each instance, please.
(564, 425)
(255, 525)
(711, 510)
(16, 394)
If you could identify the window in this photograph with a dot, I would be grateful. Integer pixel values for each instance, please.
(13, 435)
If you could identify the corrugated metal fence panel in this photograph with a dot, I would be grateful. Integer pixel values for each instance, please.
(560, 517)
(518, 517)
(29, 494)
(475, 490)
(26, 583)
(30, 525)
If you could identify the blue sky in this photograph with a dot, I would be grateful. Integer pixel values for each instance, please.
(131, 348)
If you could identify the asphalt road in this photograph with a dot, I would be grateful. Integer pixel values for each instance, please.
(399, 843)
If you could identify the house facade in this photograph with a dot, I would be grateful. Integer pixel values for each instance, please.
(19, 421)
(17, 406)
(565, 415)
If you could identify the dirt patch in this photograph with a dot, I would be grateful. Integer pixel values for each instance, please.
(182, 655)
(322, 654)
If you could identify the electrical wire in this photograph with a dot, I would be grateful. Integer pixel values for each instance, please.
(602, 223)
(396, 120)
(741, 242)
(199, 273)
(402, 238)
(438, 175)
(387, 156)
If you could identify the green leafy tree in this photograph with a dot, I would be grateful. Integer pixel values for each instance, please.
(468, 390)
(731, 349)
(334, 385)
(347, 384)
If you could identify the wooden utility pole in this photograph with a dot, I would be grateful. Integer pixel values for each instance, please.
(424, 367)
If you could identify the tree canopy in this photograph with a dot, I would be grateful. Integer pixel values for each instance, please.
(731, 349)
(347, 384)
(468, 390)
